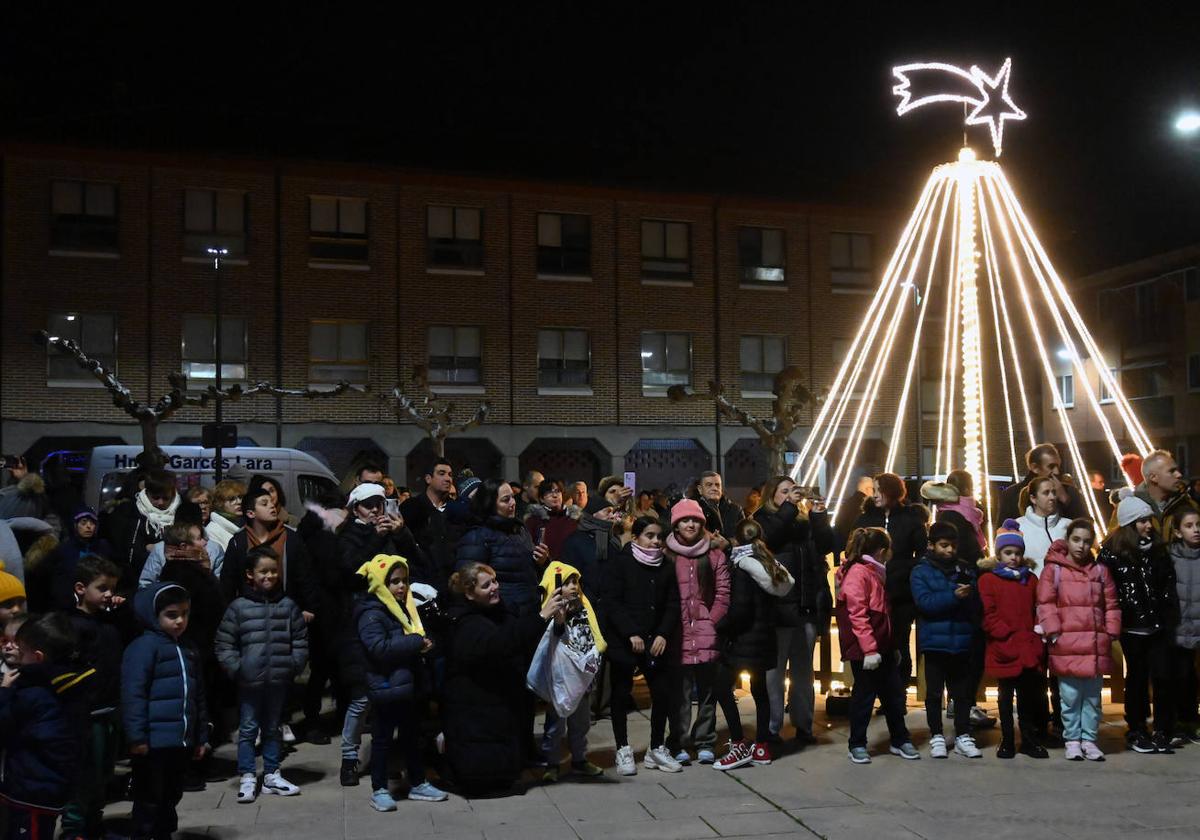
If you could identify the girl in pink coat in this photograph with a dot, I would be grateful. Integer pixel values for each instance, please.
(704, 583)
(1079, 616)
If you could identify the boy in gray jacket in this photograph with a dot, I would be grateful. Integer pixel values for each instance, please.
(262, 644)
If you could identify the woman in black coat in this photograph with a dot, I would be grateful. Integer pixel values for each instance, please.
(485, 680)
(799, 544)
(887, 509)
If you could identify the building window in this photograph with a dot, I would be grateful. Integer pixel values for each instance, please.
(96, 335)
(454, 356)
(564, 244)
(1191, 284)
(564, 359)
(1066, 389)
(1181, 458)
(1147, 326)
(762, 255)
(200, 345)
(337, 229)
(1194, 372)
(666, 250)
(337, 350)
(453, 237)
(763, 356)
(1105, 396)
(850, 261)
(214, 219)
(666, 359)
(83, 216)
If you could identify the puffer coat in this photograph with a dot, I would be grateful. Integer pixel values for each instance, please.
(1009, 616)
(749, 627)
(1187, 587)
(864, 618)
(393, 656)
(945, 622)
(698, 617)
(507, 547)
(1078, 604)
(1145, 587)
(262, 639)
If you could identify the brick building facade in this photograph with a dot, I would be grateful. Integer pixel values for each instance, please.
(569, 308)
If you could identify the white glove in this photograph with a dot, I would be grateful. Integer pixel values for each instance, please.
(871, 661)
(1037, 628)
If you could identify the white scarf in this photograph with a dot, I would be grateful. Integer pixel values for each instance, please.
(157, 520)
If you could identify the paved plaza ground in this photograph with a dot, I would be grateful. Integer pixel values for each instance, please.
(814, 793)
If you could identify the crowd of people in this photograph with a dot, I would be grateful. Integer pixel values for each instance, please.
(446, 619)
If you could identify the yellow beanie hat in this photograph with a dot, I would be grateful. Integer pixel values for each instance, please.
(10, 586)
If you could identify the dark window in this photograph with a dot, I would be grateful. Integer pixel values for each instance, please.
(454, 356)
(564, 359)
(199, 350)
(83, 216)
(312, 486)
(564, 244)
(666, 359)
(850, 261)
(763, 356)
(214, 219)
(454, 237)
(1191, 284)
(1147, 327)
(666, 250)
(337, 350)
(337, 229)
(1194, 372)
(762, 255)
(96, 336)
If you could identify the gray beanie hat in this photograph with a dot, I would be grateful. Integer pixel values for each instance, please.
(1131, 510)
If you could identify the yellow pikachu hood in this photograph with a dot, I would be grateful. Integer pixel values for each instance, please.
(376, 572)
(560, 568)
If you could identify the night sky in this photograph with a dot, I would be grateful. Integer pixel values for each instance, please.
(777, 99)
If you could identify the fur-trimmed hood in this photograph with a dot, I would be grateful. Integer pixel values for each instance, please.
(987, 564)
(31, 485)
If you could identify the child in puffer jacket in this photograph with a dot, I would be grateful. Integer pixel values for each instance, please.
(1016, 654)
(262, 644)
(1080, 616)
(865, 636)
(393, 640)
(1185, 555)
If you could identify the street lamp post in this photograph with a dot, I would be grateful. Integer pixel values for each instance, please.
(217, 254)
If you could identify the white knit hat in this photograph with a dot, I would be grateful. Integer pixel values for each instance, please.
(365, 491)
(1131, 510)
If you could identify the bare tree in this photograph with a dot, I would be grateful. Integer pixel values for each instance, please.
(149, 417)
(792, 399)
(435, 416)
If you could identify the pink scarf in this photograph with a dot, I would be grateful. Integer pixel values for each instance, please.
(647, 556)
(698, 549)
(970, 512)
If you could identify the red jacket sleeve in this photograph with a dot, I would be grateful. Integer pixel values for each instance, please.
(855, 589)
(993, 624)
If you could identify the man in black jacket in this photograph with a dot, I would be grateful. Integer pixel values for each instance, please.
(1042, 460)
(425, 517)
(721, 515)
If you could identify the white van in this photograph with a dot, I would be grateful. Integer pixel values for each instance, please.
(301, 476)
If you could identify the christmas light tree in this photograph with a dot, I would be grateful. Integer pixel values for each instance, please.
(969, 248)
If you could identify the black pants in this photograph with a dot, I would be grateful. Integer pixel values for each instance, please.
(885, 683)
(322, 669)
(723, 694)
(903, 616)
(389, 717)
(1183, 674)
(1147, 662)
(953, 672)
(663, 681)
(1030, 688)
(157, 789)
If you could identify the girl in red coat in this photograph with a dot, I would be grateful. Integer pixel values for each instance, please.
(1015, 652)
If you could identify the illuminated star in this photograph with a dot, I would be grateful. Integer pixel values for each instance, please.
(994, 110)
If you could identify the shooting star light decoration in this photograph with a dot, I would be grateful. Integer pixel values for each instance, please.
(970, 245)
(938, 82)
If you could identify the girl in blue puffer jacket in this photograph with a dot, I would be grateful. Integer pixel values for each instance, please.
(393, 640)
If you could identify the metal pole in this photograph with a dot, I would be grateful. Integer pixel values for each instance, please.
(920, 382)
(217, 255)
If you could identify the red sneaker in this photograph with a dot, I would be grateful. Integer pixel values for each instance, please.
(739, 755)
(761, 753)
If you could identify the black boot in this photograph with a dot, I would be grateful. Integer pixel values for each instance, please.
(1031, 747)
(1006, 748)
(349, 772)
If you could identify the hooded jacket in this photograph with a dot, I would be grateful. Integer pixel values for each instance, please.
(26, 498)
(556, 569)
(698, 617)
(1078, 605)
(800, 545)
(945, 622)
(1145, 587)
(262, 639)
(748, 628)
(1009, 616)
(1187, 587)
(907, 530)
(162, 693)
(392, 649)
(864, 616)
(1039, 532)
(43, 717)
(639, 600)
(51, 584)
(504, 545)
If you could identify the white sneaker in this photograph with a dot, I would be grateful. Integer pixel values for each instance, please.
(248, 788)
(660, 758)
(937, 746)
(289, 737)
(275, 783)
(964, 745)
(626, 765)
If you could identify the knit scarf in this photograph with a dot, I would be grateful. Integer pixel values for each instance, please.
(600, 531)
(647, 556)
(376, 571)
(157, 520)
(276, 539)
(1020, 573)
(697, 549)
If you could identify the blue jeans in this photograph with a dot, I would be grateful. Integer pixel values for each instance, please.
(261, 711)
(352, 728)
(1080, 708)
